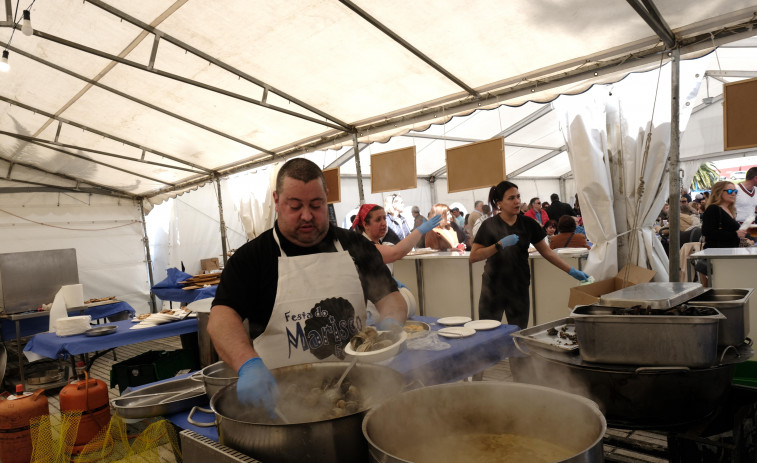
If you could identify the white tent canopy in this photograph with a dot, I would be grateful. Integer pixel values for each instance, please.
(147, 98)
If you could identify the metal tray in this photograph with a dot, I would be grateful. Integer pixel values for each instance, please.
(646, 340)
(161, 399)
(537, 338)
(654, 295)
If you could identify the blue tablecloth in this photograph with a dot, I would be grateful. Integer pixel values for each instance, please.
(170, 290)
(30, 326)
(52, 346)
(464, 358)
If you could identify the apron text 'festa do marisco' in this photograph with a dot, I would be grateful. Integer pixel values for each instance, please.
(319, 306)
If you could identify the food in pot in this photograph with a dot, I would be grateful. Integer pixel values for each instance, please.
(488, 448)
(565, 333)
(370, 339)
(301, 404)
(682, 309)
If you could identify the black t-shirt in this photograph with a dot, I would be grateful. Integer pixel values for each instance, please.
(249, 280)
(494, 229)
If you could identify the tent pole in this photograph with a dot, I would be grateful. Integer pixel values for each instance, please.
(222, 222)
(674, 217)
(360, 193)
(146, 242)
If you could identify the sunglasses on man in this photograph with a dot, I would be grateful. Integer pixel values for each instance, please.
(732, 191)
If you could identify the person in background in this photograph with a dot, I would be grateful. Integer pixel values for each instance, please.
(447, 235)
(459, 219)
(393, 205)
(486, 209)
(371, 222)
(503, 242)
(746, 200)
(545, 205)
(568, 237)
(579, 225)
(685, 194)
(719, 226)
(576, 207)
(558, 209)
(302, 276)
(662, 217)
(688, 220)
(475, 214)
(550, 228)
(418, 220)
(536, 212)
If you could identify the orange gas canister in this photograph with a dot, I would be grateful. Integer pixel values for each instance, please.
(15, 412)
(89, 395)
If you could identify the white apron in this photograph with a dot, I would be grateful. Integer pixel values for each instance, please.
(319, 307)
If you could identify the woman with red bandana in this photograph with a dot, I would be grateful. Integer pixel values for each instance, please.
(371, 222)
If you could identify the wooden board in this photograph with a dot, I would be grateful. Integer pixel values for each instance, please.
(477, 165)
(393, 170)
(333, 184)
(740, 114)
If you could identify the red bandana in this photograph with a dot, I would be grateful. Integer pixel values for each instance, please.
(359, 221)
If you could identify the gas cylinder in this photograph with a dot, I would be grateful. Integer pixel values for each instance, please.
(90, 396)
(16, 410)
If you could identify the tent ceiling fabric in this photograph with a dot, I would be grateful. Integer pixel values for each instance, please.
(147, 98)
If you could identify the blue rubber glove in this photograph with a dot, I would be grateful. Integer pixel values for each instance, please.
(256, 386)
(430, 224)
(389, 324)
(577, 274)
(509, 240)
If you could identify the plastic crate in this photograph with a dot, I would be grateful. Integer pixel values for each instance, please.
(150, 367)
(745, 374)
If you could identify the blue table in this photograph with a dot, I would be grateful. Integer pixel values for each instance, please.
(29, 323)
(464, 358)
(52, 346)
(170, 290)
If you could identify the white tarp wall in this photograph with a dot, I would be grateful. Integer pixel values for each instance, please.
(187, 229)
(606, 130)
(106, 233)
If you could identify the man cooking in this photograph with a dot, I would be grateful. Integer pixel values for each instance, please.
(305, 282)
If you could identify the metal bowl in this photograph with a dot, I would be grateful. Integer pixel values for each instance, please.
(216, 376)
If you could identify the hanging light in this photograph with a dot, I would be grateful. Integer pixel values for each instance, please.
(4, 66)
(26, 25)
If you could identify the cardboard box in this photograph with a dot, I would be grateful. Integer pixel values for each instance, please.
(589, 294)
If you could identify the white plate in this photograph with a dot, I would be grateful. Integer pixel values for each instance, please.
(454, 320)
(480, 325)
(456, 332)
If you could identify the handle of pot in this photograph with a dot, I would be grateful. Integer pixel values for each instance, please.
(641, 370)
(199, 423)
(519, 347)
(196, 376)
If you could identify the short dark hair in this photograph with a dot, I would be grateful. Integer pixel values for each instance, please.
(300, 169)
(554, 198)
(566, 224)
(751, 173)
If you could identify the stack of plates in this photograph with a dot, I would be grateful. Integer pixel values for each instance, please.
(461, 327)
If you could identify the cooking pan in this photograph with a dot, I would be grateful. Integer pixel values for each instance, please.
(215, 377)
(333, 440)
(440, 424)
(636, 398)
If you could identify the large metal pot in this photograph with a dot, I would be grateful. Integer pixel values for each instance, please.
(632, 397)
(411, 426)
(329, 440)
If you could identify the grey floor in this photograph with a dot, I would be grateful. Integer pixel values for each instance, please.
(500, 372)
